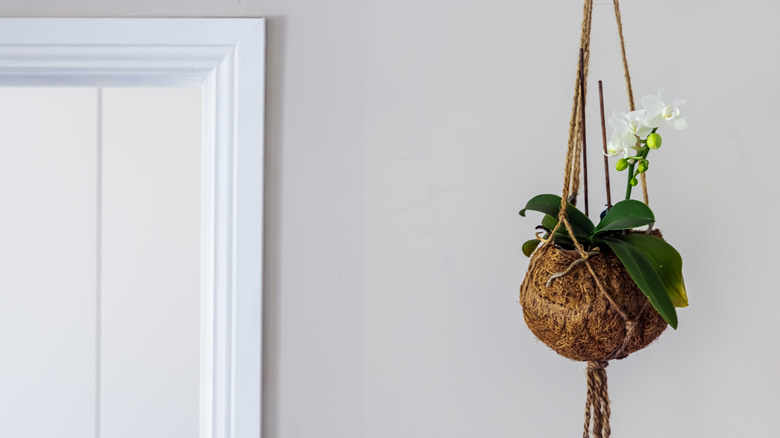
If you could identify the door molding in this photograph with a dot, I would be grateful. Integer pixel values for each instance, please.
(226, 58)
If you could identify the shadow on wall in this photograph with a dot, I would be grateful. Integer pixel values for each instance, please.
(275, 72)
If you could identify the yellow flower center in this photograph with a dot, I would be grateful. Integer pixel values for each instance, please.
(670, 112)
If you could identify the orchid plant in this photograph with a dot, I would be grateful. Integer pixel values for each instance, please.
(654, 265)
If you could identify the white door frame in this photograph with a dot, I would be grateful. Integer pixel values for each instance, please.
(226, 58)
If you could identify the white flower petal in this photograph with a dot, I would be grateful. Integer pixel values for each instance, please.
(628, 140)
(686, 110)
(643, 131)
(654, 122)
(662, 96)
(615, 145)
(618, 121)
(679, 124)
(652, 105)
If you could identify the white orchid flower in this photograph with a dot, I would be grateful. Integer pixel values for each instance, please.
(633, 122)
(620, 143)
(628, 129)
(660, 108)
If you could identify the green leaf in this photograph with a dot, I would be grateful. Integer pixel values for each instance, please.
(625, 215)
(551, 205)
(668, 262)
(530, 246)
(549, 222)
(643, 271)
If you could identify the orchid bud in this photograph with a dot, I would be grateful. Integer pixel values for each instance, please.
(654, 141)
(633, 182)
(622, 164)
(642, 167)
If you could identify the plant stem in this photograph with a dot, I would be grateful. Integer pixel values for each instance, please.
(641, 156)
(628, 183)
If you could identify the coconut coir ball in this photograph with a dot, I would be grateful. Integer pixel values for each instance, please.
(574, 318)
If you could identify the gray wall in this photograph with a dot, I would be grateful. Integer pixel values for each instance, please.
(403, 136)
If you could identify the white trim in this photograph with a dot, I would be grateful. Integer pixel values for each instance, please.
(226, 58)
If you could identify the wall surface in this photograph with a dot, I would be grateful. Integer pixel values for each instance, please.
(404, 136)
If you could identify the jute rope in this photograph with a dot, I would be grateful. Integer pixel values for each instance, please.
(571, 181)
(597, 401)
(629, 89)
(597, 410)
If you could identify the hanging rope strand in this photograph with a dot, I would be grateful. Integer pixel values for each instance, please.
(629, 89)
(580, 93)
(572, 166)
(588, 409)
(597, 411)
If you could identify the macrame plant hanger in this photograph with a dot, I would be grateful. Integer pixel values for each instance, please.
(597, 410)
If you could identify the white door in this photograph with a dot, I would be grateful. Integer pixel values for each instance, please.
(131, 227)
(100, 263)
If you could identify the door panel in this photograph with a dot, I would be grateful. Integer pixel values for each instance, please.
(150, 285)
(48, 265)
(100, 228)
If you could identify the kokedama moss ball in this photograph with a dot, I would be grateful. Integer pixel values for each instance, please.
(574, 318)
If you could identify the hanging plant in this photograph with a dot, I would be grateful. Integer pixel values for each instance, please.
(654, 265)
(598, 292)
